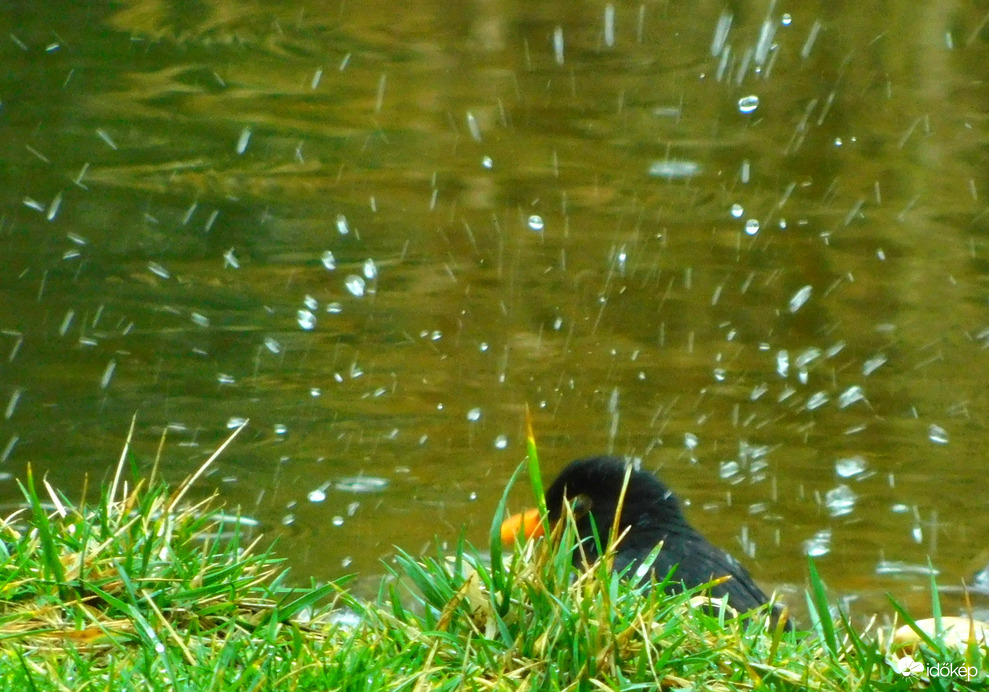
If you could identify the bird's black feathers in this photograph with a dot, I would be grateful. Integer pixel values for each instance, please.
(650, 514)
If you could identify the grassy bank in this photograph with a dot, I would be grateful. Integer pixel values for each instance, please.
(141, 590)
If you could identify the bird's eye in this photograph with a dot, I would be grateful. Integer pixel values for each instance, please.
(581, 505)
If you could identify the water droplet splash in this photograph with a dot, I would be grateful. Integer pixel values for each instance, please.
(748, 104)
(840, 501)
(819, 545)
(319, 494)
(850, 466)
(306, 320)
(937, 434)
(355, 284)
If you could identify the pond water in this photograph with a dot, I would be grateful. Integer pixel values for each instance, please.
(746, 243)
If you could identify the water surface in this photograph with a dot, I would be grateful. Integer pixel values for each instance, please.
(743, 243)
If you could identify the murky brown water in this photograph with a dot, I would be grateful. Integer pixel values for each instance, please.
(785, 311)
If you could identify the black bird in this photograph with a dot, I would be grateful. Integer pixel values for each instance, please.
(650, 514)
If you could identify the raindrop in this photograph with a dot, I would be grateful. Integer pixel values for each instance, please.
(53, 207)
(536, 223)
(230, 259)
(306, 320)
(310, 302)
(342, 226)
(817, 401)
(737, 210)
(849, 466)
(873, 364)
(474, 415)
(807, 356)
(319, 494)
(721, 30)
(475, 130)
(674, 169)
(334, 308)
(329, 261)
(272, 345)
(937, 434)
(786, 19)
(819, 545)
(337, 520)
(690, 441)
(752, 226)
(361, 484)
(487, 163)
(783, 363)
(501, 442)
(558, 44)
(850, 396)
(105, 136)
(12, 404)
(840, 501)
(800, 298)
(245, 139)
(370, 270)
(158, 270)
(748, 104)
(235, 422)
(355, 284)
(108, 374)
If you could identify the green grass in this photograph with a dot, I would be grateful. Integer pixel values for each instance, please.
(141, 590)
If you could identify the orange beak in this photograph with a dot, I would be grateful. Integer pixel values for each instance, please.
(526, 524)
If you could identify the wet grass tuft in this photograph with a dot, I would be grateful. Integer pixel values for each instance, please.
(141, 590)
